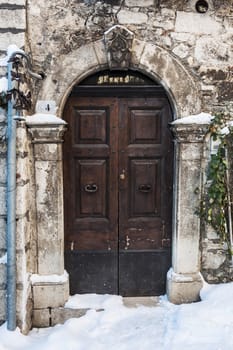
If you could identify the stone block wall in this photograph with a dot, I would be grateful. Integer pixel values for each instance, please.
(26, 228)
(199, 42)
(13, 23)
(55, 33)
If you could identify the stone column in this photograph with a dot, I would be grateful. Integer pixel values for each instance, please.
(184, 280)
(50, 284)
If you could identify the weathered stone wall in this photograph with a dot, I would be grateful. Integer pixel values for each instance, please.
(25, 225)
(189, 52)
(26, 228)
(13, 23)
(199, 42)
(12, 31)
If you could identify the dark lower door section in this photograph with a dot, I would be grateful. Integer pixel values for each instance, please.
(143, 273)
(92, 272)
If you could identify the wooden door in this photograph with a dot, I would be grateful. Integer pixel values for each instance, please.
(118, 166)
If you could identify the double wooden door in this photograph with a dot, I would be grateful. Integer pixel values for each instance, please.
(118, 167)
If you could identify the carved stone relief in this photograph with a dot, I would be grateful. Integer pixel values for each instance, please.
(118, 44)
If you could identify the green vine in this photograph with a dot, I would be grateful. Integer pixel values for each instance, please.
(214, 208)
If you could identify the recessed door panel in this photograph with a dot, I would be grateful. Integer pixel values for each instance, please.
(145, 126)
(90, 126)
(144, 187)
(91, 191)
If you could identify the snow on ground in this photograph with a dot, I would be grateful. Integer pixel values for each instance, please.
(206, 325)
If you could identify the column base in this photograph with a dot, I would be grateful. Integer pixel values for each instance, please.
(183, 288)
(50, 291)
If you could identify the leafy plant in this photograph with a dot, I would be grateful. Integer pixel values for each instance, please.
(214, 208)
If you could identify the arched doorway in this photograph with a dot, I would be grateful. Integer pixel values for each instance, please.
(118, 179)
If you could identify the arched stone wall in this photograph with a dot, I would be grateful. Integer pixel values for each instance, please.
(184, 281)
(181, 87)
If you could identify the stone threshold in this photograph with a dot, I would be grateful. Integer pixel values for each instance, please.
(49, 317)
(140, 301)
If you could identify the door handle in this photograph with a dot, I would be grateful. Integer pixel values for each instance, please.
(91, 188)
(145, 188)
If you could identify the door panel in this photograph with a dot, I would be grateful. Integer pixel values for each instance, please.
(91, 126)
(144, 190)
(144, 128)
(92, 271)
(118, 194)
(144, 157)
(91, 194)
(152, 267)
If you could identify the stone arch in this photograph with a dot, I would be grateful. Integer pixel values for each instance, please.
(181, 87)
(183, 91)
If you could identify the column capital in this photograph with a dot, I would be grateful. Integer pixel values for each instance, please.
(46, 128)
(189, 133)
(191, 129)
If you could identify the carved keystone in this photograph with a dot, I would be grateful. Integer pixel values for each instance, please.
(118, 45)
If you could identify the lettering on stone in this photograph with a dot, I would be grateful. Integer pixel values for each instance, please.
(119, 80)
(118, 45)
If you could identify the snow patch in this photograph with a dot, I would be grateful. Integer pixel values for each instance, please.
(177, 277)
(93, 301)
(205, 325)
(2, 118)
(226, 130)
(201, 118)
(10, 51)
(3, 84)
(3, 259)
(35, 278)
(44, 118)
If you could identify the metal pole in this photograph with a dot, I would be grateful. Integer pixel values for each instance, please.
(11, 195)
(11, 211)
